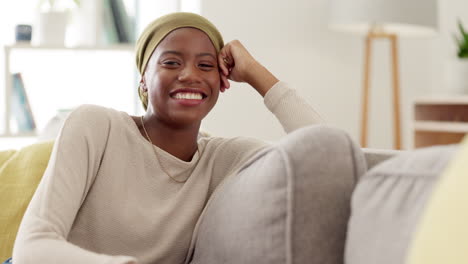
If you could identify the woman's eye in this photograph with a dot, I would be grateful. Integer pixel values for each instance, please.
(206, 66)
(171, 63)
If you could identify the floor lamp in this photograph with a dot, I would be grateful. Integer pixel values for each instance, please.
(387, 19)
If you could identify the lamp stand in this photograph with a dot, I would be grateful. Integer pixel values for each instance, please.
(371, 36)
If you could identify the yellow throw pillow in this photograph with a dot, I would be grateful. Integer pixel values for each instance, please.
(20, 174)
(5, 155)
(442, 236)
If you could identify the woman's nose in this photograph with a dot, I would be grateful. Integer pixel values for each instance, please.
(189, 74)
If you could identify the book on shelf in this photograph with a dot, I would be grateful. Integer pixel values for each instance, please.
(20, 106)
(118, 25)
(109, 30)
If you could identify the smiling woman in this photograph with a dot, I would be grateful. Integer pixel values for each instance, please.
(130, 189)
(182, 80)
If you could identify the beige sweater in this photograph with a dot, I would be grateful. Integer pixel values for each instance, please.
(105, 199)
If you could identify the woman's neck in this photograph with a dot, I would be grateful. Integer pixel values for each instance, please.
(180, 142)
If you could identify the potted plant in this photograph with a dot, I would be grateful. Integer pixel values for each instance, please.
(458, 68)
(52, 21)
(462, 42)
(86, 23)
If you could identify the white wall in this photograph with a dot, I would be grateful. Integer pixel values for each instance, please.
(292, 39)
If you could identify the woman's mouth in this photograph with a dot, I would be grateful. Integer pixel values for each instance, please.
(188, 96)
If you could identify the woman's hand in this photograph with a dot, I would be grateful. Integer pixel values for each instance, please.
(237, 64)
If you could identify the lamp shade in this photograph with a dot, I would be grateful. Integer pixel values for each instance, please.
(401, 17)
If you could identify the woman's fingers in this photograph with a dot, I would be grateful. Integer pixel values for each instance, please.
(223, 65)
(237, 60)
(225, 59)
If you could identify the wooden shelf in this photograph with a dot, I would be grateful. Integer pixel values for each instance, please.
(114, 47)
(442, 100)
(18, 135)
(440, 120)
(441, 126)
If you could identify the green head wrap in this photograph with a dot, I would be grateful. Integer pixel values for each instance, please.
(155, 32)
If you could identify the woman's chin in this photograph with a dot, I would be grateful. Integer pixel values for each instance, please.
(187, 120)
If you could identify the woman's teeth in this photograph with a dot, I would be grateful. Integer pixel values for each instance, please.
(193, 96)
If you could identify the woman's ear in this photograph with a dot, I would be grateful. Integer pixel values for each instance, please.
(143, 87)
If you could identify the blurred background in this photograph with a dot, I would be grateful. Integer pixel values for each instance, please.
(94, 63)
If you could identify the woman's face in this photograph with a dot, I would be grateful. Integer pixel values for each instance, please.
(182, 78)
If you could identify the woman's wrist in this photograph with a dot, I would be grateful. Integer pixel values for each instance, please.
(260, 78)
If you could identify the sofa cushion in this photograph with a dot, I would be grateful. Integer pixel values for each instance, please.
(377, 156)
(289, 204)
(387, 204)
(19, 176)
(442, 235)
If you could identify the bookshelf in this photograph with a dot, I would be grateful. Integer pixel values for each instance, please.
(59, 77)
(6, 131)
(440, 120)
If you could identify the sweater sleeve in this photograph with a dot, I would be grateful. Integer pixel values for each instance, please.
(291, 110)
(73, 165)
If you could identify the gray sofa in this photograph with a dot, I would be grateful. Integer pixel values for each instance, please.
(317, 197)
(343, 205)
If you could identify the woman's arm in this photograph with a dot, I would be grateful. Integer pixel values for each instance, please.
(239, 65)
(75, 159)
(291, 110)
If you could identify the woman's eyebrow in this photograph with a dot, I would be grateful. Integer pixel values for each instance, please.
(206, 54)
(178, 53)
(171, 52)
